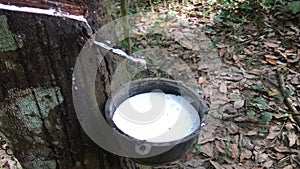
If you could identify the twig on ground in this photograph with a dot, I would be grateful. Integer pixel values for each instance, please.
(287, 100)
(276, 137)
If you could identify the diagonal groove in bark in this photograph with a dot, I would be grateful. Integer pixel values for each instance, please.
(46, 50)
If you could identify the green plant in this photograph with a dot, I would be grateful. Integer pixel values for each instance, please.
(234, 11)
(287, 7)
(259, 112)
(257, 88)
(266, 116)
(263, 130)
(293, 6)
(193, 86)
(262, 102)
(251, 116)
(266, 3)
(198, 148)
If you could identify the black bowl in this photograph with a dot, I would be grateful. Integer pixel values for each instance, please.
(151, 153)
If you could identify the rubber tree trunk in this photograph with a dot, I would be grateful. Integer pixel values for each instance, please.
(37, 56)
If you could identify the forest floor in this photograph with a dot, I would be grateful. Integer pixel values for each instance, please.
(248, 72)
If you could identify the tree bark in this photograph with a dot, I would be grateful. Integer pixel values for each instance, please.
(37, 56)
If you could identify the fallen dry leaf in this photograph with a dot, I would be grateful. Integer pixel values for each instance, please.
(249, 76)
(293, 58)
(292, 138)
(234, 78)
(194, 163)
(158, 31)
(247, 154)
(227, 166)
(220, 145)
(138, 37)
(247, 51)
(295, 159)
(216, 165)
(177, 35)
(279, 156)
(207, 149)
(222, 52)
(278, 52)
(289, 126)
(250, 27)
(236, 139)
(240, 119)
(201, 80)
(191, 81)
(273, 93)
(268, 164)
(189, 156)
(247, 143)
(278, 115)
(239, 104)
(261, 157)
(288, 167)
(207, 134)
(271, 59)
(295, 81)
(238, 57)
(290, 49)
(234, 151)
(272, 45)
(280, 64)
(234, 95)
(223, 88)
(273, 132)
(219, 102)
(233, 128)
(236, 85)
(257, 72)
(219, 99)
(259, 142)
(252, 132)
(174, 25)
(196, 2)
(282, 149)
(187, 43)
